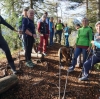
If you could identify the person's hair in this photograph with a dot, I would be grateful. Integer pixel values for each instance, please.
(59, 19)
(51, 18)
(66, 24)
(45, 12)
(25, 9)
(97, 23)
(30, 11)
(84, 19)
(43, 16)
(78, 25)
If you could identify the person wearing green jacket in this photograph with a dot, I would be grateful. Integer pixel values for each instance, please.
(59, 29)
(83, 43)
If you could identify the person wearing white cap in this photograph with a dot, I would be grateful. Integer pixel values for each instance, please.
(95, 57)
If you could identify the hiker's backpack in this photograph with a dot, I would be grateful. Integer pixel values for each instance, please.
(20, 19)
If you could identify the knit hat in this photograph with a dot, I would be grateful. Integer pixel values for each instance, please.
(97, 23)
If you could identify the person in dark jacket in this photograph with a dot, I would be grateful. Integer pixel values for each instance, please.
(5, 48)
(29, 36)
(43, 30)
(95, 57)
(20, 20)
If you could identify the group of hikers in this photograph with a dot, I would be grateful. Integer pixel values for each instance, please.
(46, 29)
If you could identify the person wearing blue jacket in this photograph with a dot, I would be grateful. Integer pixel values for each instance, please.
(20, 20)
(5, 48)
(66, 30)
(29, 33)
(95, 57)
(51, 29)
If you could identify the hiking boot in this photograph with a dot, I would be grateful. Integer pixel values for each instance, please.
(84, 78)
(29, 64)
(38, 52)
(71, 69)
(44, 54)
(16, 71)
(32, 63)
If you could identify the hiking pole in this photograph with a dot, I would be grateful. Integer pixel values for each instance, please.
(86, 60)
(65, 86)
(37, 49)
(59, 72)
(19, 52)
(20, 41)
(66, 79)
(59, 78)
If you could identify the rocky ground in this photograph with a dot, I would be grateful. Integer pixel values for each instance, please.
(42, 81)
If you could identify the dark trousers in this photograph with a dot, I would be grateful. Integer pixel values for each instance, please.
(88, 65)
(5, 48)
(58, 36)
(28, 47)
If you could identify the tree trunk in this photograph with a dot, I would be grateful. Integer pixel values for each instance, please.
(31, 4)
(7, 82)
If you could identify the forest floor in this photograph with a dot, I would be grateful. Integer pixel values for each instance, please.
(42, 81)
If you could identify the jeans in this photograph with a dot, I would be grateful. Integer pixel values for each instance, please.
(77, 52)
(79, 62)
(66, 40)
(88, 65)
(51, 37)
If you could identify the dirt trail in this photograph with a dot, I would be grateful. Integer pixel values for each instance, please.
(41, 82)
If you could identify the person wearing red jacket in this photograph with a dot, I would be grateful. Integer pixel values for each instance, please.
(43, 30)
